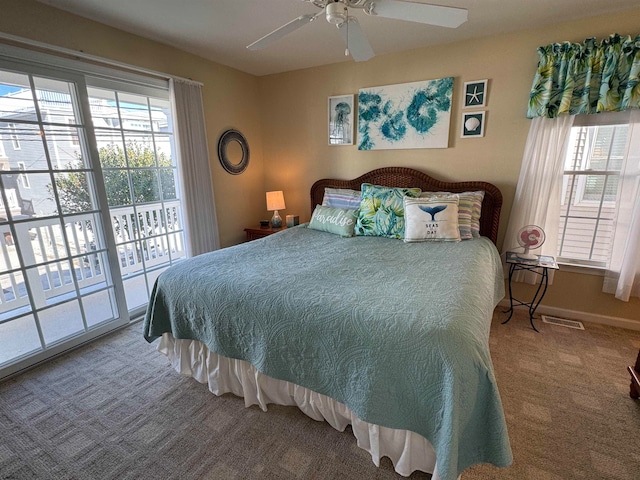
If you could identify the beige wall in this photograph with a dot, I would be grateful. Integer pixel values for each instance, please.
(230, 97)
(294, 120)
(288, 139)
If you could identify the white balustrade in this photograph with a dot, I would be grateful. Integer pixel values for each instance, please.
(149, 242)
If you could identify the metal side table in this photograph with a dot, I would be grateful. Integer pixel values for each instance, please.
(540, 266)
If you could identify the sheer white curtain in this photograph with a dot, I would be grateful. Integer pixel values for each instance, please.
(622, 277)
(195, 172)
(537, 199)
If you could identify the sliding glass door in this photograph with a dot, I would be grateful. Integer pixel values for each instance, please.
(134, 134)
(90, 205)
(59, 266)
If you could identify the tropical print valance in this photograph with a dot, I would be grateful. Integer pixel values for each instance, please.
(589, 77)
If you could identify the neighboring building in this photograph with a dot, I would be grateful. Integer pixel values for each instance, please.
(22, 148)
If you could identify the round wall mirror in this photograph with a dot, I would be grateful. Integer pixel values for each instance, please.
(233, 152)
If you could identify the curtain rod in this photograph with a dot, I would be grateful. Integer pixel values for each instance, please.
(93, 58)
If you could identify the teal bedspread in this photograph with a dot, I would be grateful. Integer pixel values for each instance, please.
(399, 332)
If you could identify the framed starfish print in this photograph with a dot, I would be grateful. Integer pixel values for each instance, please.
(475, 93)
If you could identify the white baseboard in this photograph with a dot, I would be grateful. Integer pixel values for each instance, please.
(582, 316)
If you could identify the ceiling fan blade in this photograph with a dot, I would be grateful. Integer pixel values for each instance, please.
(278, 33)
(355, 40)
(451, 17)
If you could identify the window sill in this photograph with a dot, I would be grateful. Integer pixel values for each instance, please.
(582, 269)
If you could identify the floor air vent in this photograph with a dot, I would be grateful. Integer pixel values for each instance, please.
(562, 322)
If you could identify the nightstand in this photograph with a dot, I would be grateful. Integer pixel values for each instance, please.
(259, 232)
(540, 266)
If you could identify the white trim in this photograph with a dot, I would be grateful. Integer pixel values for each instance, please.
(130, 73)
(602, 118)
(567, 266)
(582, 316)
(128, 87)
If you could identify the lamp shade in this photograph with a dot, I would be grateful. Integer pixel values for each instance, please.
(275, 201)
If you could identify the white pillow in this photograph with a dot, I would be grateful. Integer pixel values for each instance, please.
(431, 219)
(469, 209)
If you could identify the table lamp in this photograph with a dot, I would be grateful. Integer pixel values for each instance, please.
(275, 202)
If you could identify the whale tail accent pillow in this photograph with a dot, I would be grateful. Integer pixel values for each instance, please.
(431, 219)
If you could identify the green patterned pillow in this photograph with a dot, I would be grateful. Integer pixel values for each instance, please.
(382, 210)
(431, 219)
(340, 221)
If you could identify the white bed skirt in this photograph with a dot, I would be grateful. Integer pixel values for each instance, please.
(407, 450)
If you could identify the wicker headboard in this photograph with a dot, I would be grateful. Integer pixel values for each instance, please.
(408, 177)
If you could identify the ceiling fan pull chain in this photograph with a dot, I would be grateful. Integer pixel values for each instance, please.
(346, 50)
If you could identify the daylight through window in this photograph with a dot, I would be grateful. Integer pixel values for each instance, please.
(589, 192)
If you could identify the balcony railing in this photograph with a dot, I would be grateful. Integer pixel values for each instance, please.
(148, 237)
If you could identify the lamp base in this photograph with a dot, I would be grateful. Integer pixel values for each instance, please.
(276, 220)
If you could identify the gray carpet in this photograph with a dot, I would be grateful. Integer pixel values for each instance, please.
(116, 410)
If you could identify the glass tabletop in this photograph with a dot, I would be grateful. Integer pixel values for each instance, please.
(546, 261)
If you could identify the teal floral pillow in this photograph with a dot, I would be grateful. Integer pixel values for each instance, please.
(382, 210)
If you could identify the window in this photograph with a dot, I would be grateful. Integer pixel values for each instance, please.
(14, 137)
(12, 199)
(595, 155)
(23, 176)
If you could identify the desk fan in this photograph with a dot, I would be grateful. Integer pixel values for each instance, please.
(530, 237)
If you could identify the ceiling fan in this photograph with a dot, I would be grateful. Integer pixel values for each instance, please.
(336, 12)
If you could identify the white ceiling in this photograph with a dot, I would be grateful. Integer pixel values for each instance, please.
(220, 30)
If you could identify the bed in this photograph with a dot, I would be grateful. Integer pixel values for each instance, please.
(387, 336)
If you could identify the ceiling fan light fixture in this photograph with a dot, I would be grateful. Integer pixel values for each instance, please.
(336, 13)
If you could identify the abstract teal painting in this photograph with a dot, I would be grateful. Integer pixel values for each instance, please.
(407, 115)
